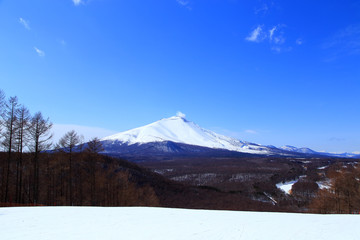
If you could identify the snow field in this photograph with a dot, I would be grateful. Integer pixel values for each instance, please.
(135, 223)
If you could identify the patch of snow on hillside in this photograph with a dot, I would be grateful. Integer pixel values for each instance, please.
(286, 186)
(326, 184)
(94, 223)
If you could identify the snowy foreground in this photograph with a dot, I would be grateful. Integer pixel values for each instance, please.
(89, 223)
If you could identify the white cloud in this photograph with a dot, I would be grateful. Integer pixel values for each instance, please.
(344, 43)
(24, 23)
(276, 49)
(182, 2)
(280, 49)
(271, 32)
(299, 41)
(77, 2)
(275, 36)
(39, 52)
(88, 132)
(180, 114)
(251, 131)
(279, 40)
(263, 9)
(256, 35)
(62, 42)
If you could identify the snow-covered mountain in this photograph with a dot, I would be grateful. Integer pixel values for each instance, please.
(298, 150)
(312, 152)
(179, 130)
(178, 135)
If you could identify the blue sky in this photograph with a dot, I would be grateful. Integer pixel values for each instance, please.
(270, 72)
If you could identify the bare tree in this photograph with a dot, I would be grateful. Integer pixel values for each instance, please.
(68, 144)
(2, 103)
(342, 194)
(2, 164)
(9, 122)
(94, 146)
(40, 136)
(21, 137)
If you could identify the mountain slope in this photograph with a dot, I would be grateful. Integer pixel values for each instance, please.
(298, 150)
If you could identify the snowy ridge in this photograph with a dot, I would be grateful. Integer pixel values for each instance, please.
(298, 150)
(178, 129)
(312, 152)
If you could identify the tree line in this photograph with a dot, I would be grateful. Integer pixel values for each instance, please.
(21, 132)
(35, 171)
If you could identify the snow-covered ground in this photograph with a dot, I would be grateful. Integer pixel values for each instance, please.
(90, 223)
(286, 187)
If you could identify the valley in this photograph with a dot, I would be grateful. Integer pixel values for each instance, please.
(257, 178)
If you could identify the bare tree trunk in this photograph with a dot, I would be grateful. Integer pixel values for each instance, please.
(9, 119)
(70, 178)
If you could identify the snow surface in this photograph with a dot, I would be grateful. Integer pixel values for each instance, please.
(94, 223)
(286, 187)
(178, 129)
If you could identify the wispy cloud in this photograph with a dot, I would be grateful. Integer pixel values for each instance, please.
(24, 23)
(180, 114)
(263, 9)
(299, 41)
(77, 2)
(337, 139)
(345, 42)
(184, 3)
(62, 42)
(281, 49)
(251, 131)
(257, 35)
(39, 52)
(271, 32)
(275, 36)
